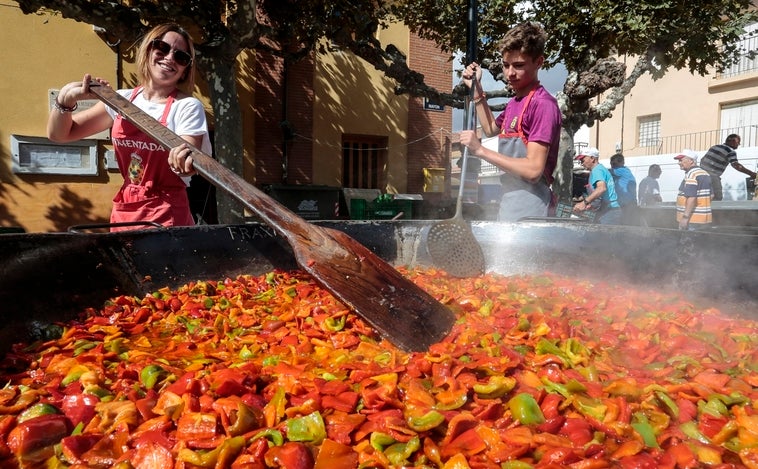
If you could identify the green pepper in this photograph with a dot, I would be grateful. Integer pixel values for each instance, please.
(246, 354)
(525, 409)
(383, 359)
(190, 324)
(335, 324)
(668, 402)
(515, 465)
(690, 429)
(37, 410)
(399, 453)
(545, 347)
(83, 345)
(222, 456)
(645, 430)
(271, 360)
(380, 440)
(575, 352)
(713, 406)
(274, 436)
(247, 418)
(116, 346)
(497, 386)
(486, 309)
(151, 374)
(426, 422)
(523, 324)
(309, 428)
(589, 406)
(74, 373)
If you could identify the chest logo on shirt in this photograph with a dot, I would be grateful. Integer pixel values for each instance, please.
(513, 123)
(136, 169)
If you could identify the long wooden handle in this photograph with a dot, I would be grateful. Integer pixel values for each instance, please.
(401, 311)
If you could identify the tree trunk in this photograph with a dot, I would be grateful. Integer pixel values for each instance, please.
(565, 168)
(227, 145)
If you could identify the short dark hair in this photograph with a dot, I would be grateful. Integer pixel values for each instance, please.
(732, 137)
(654, 168)
(528, 38)
(617, 160)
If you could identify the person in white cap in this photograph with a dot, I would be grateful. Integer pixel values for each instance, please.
(602, 189)
(693, 203)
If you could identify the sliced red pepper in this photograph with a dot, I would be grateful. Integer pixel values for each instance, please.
(196, 426)
(333, 455)
(33, 440)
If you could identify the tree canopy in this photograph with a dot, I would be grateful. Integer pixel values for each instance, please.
(587, 37)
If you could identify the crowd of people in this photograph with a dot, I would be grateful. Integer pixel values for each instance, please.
(613, 196)
(155, 178)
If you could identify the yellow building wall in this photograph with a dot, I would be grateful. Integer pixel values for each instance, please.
(351, 97)
(39, 53)
(687, 104)
(47, 51)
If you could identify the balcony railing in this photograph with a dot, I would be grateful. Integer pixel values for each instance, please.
(748, 61)
(700, 141)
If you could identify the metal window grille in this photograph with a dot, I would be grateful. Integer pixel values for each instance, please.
(363, 158)
(748, 61)
(649, 131)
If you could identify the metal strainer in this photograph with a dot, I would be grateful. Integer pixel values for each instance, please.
(451, 243)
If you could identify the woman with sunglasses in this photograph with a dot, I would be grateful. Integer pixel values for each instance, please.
(155, 179)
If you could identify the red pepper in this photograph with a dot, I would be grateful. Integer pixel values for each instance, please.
(33, 440)
(290, 456)
(333, 455)
(79, 408)
(73, 447)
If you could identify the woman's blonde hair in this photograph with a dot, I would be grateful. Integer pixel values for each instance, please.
(187, 82)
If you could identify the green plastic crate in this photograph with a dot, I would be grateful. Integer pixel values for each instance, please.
(361, 209)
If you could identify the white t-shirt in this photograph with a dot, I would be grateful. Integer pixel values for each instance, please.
(186, 117)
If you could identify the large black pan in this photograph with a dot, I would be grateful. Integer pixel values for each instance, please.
(53, 277)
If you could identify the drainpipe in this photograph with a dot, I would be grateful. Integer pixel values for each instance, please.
(285, 125)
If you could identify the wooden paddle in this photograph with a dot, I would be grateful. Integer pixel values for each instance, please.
(397, 308)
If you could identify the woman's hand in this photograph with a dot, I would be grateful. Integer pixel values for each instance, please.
(180, 160)
(72, 93)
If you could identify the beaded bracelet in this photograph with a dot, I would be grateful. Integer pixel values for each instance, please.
(63, 109)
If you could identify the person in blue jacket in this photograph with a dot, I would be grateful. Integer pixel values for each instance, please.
(602, 196)
(626, 189)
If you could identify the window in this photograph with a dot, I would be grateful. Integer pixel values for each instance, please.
(740, 118)
(649, 131)
(363, 158)
(748, 47)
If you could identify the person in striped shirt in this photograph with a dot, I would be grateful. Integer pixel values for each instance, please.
(693, 203)
(717, 158)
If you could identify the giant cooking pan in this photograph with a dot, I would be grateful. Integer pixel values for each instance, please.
(50, 277)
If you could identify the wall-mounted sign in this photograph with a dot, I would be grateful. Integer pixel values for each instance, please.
(37, 155)
(433, 106)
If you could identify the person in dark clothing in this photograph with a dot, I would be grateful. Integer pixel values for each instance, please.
(649, 190)
(717, 158)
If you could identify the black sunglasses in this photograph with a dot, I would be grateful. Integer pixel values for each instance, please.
(180, 57)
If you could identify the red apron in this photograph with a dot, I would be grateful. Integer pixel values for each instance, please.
(151, 191)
